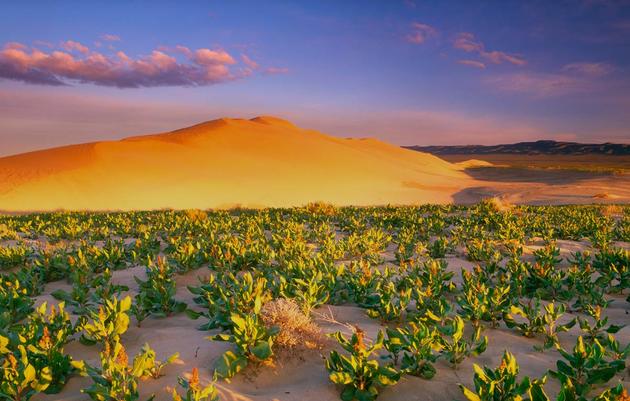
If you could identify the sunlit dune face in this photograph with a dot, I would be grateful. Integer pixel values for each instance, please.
(260, 162)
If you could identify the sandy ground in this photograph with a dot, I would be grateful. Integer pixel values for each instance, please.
(269, 162)
(544, 187)
(305, 378)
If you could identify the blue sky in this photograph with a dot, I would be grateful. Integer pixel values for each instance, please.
(409, 72)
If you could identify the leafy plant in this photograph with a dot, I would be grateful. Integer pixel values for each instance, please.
(19, 379)
(194, 390)
(454, 347)
(539, 320)
(595, 330)
(149, 364)
(115, 380)
(156, 295)
(359, 375)
(44, 336)
(500, 384)
(417, 343)
(107, 324)
(253, 341)
(585, 367)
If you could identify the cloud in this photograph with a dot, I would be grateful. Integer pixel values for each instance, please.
(589, 69)
(467, 42)
(199, 67)
(472, 63)
(420, 33)
(110, 38)
(249, 62)
(71, 45)
(540, 84)
(276, 70)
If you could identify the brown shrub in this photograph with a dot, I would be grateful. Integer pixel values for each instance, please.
(297, 331)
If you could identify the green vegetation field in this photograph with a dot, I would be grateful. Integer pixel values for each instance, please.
(479, 302)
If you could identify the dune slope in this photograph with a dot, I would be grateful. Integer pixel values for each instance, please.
(264, 161)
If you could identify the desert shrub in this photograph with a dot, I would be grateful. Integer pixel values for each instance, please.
(296, 329)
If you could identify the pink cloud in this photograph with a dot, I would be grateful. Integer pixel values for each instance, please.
(71, 45)
(249, 62)
(589, 69)
(200, 67)
(420, 33)
(472, 63)
(467, 42)
(110, 38)
(276, 70)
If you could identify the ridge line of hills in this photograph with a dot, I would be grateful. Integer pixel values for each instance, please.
(542, 147)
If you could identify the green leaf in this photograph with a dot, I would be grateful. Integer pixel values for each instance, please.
(262, 350)
(469, 394)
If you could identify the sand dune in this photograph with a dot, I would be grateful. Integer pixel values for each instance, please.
(264, 161)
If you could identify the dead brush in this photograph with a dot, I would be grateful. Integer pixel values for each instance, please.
(297, 331)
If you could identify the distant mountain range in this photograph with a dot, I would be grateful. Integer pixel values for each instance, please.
(529, 148)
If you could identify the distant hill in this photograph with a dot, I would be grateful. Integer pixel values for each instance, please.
(530, 148)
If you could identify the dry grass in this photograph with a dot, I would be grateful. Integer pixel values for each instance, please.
(612, 211)
(297, 331)
(499, 204)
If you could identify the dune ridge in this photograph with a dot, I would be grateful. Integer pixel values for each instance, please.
(262, 162)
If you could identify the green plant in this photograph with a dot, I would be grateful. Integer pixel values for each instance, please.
(194, 390)
(482, 301)
(44, 336)
(150, 366)
(19, 379)
(253, 341)
(14, 256)
(308, 293)
(585, 367)
(156, 295)
(225, 294)
(15, 304)
(538, 322)
(107, 324)
(439, 248)
(417, 343)
(387, 303)
(454, 347)
(359, 375)
(595, 331)
(500, 384)
(615, 350)
(115, 380)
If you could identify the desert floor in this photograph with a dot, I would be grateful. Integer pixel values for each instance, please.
(303, 376)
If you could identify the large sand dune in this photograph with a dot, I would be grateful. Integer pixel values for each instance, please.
(265, 161)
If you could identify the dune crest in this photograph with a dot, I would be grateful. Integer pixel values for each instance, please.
(265, 161)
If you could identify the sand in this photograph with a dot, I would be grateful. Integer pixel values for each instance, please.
(265, 161)
(306, 378)
(269, 162)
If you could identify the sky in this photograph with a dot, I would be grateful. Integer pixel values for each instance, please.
(410, 72)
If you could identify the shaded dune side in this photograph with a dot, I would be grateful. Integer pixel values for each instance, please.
(265, 161)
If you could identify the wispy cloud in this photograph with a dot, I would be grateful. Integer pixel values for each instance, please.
(420, 33)
(579, 77)
(472, 63)
(74, 62)
(540, 84)
(249, 62)
(589, 69)
(276, 70)
(110, 38)
(467, 42)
